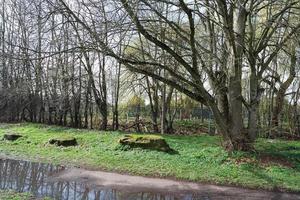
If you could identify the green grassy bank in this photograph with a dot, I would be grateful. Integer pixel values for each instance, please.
(11, 195)
(274, 165)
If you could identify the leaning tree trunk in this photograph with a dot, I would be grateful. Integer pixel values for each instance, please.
(279, 100)
(101, 94)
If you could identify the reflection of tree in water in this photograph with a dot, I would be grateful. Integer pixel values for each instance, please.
(25, 176)
(31, 177)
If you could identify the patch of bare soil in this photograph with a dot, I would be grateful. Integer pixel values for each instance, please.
(268, 160)
(284, 134)
(265, 160)
(244, 160)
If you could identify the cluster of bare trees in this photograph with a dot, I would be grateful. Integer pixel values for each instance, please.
(45, 74)
(65, 61)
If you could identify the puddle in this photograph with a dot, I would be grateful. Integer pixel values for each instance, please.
(37, 178)
(24, 176)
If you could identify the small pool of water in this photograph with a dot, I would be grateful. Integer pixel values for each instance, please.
(25, 176)
(39, 179)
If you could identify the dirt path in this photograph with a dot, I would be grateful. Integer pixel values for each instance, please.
(135, 184)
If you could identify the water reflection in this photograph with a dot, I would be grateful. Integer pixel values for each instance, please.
(24, 176)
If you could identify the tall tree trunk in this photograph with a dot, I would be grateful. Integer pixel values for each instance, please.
(4, 72)
(102, 98)
(253, 107)
(153, 98)
(163, 109)
(236, 139)
(87, 103)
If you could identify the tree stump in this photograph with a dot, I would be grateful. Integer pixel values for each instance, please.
(151, 142)
(64, 141)
(12, 136)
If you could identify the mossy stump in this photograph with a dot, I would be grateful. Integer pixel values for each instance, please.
(11, 136)
(64, 141)
(151, 142)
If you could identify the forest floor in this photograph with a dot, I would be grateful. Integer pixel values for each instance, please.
(275, 165)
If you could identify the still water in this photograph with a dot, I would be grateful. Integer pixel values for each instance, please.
(37, 178)
(24, 176)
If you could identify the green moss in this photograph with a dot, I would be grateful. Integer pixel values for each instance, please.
(145, 137)
(63, 137)
(152, 142)
(200, 158)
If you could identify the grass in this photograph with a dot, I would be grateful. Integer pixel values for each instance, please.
(275, 165)
(11, 195)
